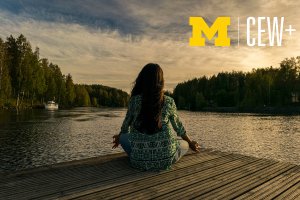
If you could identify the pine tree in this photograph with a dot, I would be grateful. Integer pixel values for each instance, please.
(70, 90)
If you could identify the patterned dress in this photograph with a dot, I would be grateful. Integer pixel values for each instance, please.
(153, 151)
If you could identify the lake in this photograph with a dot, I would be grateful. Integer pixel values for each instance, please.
(40, 137)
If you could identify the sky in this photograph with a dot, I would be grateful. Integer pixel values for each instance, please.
(109, 41)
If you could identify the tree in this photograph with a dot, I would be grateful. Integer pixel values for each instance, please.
(40, 83)
(70, 90)
(287, 78)
(5, 81)
(199, 101)
(19, 54)
(82, 96)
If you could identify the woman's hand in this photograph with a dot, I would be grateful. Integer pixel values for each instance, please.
(116, 141)
(194, 146)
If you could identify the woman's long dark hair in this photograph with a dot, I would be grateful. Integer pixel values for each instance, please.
(149, 84)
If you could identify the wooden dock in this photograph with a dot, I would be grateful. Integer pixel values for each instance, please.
(206, 175)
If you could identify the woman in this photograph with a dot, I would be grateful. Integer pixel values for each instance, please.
(146, 134)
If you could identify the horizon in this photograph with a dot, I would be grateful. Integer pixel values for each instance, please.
(108, 43)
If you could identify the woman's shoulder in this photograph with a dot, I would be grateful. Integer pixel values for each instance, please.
(168, 99)
(169, 103)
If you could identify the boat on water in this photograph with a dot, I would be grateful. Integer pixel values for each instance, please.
(51, 105)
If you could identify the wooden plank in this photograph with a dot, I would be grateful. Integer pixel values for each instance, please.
(143, 175)
(205, 183)
(140, 175)
(56, 177)
(246, 183)
(87, 161)
(48, 185)
(292, 193)
(207, 175)
(110, 165)
(147, 188)
(274, 187)
(44, 178)
(38, 173)
(46, 181)
(60, 192)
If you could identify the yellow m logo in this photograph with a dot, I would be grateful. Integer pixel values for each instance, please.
(199, 25)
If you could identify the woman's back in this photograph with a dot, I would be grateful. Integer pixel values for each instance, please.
(154, 150)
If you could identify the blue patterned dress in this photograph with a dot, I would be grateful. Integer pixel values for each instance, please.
(155, 151)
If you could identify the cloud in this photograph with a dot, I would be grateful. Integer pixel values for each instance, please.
(90, 13)
(109, 42)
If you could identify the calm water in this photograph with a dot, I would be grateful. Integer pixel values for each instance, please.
(39, 137)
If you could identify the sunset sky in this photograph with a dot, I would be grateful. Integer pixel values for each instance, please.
(108, 42)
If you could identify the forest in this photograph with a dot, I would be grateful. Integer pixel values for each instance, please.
(262, 87)
(26, 80)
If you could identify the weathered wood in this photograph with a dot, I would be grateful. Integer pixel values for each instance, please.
(215, 178)
(149, 175)
(142, 188)
(41, 184)
(161, 178)
(207, 175)
(245, 183)
(291, 193)
(275, 186)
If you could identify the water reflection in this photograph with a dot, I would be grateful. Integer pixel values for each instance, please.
(40, 137)
(275, 137)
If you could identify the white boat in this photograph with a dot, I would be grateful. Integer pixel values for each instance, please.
(51, 105)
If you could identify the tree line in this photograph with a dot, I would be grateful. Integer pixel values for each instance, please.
(26, 80)
(271, 87)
